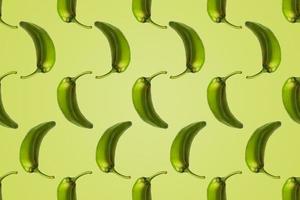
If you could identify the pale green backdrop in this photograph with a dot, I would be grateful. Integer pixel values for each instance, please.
(143, 150)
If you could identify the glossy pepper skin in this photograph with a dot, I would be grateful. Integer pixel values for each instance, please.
(291, 10)
(119, 47)
(142, 187)
(142, 101)
(270, 48)
(67, 12)
(44, 46)
(3, 177)
(141, 10)
(291, 97)
(106, 148)
(217, 101)
(216, 189)
(67, 101)
(180, 149)
(194, 49)
(255, 150)
(2, 21)
(67, 187)
(30, 148)
(290, 189)
(216, 10)
(5, 119)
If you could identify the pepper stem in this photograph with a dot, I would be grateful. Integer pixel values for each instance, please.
(230, 24)
(157, 174)
(7, 74)
(82, 174)
(119, 174)
(43, 174)
(255, 75)
(156, 74)
(179, 75)
(8, 174)
(271, 175)
(81, 24)
(155, 24)
(104, 75)
(82, 74)
(195, 175)
(232, 74)
(230, 175)
(30, 75)
(6, 24)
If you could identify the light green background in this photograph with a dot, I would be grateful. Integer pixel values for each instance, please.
(143, 150)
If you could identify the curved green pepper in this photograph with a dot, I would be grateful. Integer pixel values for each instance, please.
(255, 150)
(291, 97)
(30, 148)
(142, 187)
(119, 47)
(67, 187)
(291, 10)
(217, 12)
(5, 119)
(141, 10)
(217, 187)
(106, 148)
(270, 48)
(67, 12)
(180, 149)
(194, 49)
(142, 101)
(67, 101)
(291, 189)
(217, 101)
(44, 46)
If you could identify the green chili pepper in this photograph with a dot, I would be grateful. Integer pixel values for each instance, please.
(30, 148)
(3, 177)
(194, 49)
(291, 189)
(67, 187)
(67, 11)
(142, 12)
(2, 21)
(5, 120)
(142, 101)
(106, 148)
(291, 10)
(180, 149)
(255, 150)
(217, 12)
(142, 187)
(217, 187)
(67, 101)
(45, 50)
(217, 101)
(120, 50)
(271, 52)
(290, 97)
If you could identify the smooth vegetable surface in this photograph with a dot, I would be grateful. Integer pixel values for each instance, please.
(255, 150)
(30, 148)
(142, 101)
(44, 46)
(194, 49)
(67, 101)
(119, 47)
(106, 148)
(180, 149)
